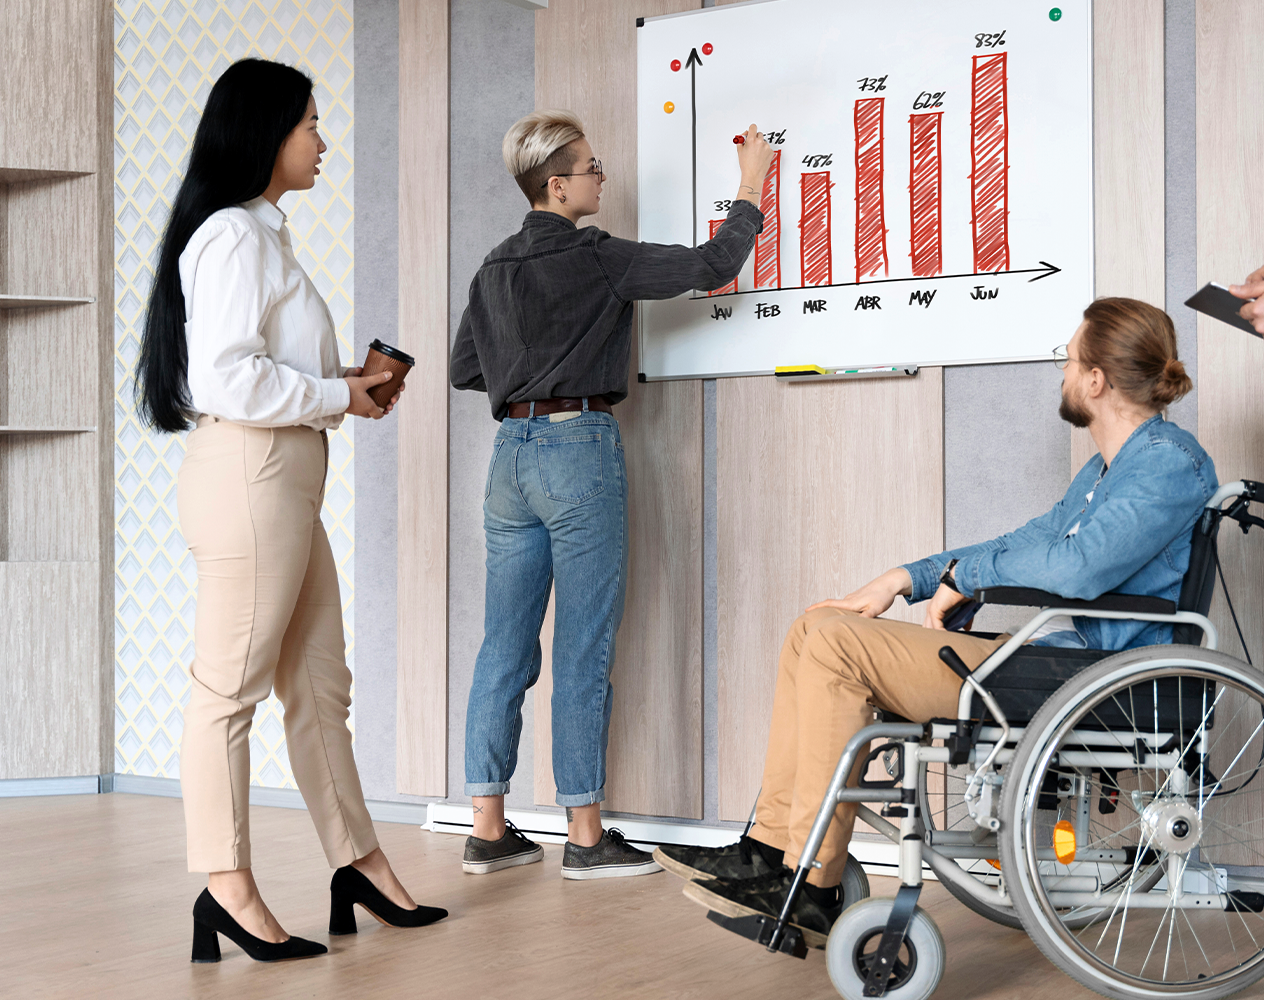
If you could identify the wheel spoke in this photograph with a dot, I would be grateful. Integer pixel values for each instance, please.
(1176, 713)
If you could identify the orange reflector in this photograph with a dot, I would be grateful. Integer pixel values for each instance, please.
(994, 863)
(1064, 841)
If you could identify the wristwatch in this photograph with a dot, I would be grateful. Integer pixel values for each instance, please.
(946, 577)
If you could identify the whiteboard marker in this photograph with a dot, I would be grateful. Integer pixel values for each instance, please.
(739, 140)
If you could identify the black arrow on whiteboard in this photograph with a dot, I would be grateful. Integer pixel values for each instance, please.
(1040, 272)
(693, 63)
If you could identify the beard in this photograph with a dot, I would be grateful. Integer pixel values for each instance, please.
(1073, 412)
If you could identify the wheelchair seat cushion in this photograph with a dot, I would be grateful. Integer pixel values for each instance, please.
(1025, 681)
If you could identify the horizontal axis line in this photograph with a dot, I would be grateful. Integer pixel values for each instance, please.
(885, 281)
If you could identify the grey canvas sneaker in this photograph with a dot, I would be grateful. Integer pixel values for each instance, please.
(484, 856)
(611, 857)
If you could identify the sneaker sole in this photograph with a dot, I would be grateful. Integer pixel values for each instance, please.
(679, 868)
(700, 894)
(612, 871)
(512, 861)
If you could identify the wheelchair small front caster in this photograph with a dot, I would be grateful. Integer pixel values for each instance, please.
(853, 942)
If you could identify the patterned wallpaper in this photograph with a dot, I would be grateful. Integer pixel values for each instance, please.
(167, 53)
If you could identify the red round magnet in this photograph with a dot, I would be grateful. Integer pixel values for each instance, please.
(708, 49)
(675, 65)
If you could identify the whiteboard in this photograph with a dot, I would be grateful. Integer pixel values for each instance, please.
(932, 198)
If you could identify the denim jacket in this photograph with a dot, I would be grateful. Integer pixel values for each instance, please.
(1123, 529)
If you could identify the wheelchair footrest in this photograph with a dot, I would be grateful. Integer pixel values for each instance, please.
(759, 929)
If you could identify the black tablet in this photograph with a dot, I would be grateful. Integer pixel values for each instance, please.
(1220, 303)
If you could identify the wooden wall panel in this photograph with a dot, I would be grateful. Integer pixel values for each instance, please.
(586, 62)
(422, 680)
(1127, 160)
(1230, 245)
(54, 499)
(820, 488)
(51, 685)
(56, 509)
(49, 106)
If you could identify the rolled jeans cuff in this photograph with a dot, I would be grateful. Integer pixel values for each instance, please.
(582, 799)
(487, 788)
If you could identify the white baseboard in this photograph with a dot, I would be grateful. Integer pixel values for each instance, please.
(88, 784)
(876, 854)
(139, 784)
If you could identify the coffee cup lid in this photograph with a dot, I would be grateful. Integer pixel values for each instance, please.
(392, 352)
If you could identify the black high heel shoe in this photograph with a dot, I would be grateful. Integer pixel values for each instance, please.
(351, 886)
(211, 919)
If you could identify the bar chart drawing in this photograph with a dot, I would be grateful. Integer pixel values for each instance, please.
(957, 139)
(713, 227)
(768, 243)
(989, 163)
(816, 255)
(926, 184)
(871, 229)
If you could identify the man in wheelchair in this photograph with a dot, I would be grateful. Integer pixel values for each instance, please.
(1124, 525)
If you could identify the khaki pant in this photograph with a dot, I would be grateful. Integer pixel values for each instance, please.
(269, 614)
(835, 668)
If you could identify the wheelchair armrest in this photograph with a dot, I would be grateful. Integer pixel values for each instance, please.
(1030, 598)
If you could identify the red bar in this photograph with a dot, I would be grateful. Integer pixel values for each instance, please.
(871, 230)
(989, 164)
(768, 243)
(815, 260)
(732, 285)
(926, 186)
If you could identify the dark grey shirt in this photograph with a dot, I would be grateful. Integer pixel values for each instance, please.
(550, 311)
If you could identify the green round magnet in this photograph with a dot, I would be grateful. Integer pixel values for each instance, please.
(1055, 13)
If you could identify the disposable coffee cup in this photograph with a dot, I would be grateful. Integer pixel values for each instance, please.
(385, 358)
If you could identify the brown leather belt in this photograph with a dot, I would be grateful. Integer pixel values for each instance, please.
(543, 407)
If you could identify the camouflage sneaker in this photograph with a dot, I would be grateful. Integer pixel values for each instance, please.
(485, 856)
(611, 857)
(765, 895)
(732, 861)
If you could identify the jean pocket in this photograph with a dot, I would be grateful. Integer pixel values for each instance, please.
(491, 467)
(570, 467)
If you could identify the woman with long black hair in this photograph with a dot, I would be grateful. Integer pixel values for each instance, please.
(238, 339)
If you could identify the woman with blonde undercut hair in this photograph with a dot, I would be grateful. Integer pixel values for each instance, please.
(547, 335)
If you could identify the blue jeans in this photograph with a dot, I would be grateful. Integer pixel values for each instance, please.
(555, 513)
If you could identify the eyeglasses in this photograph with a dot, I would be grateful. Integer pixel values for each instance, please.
(1061, 358)
(593, 171)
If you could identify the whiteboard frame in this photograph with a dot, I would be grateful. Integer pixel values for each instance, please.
(1021, 359)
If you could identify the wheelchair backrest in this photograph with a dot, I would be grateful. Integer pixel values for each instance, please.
(1199, 583)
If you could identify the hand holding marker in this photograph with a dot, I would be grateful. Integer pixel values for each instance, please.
(754, 156)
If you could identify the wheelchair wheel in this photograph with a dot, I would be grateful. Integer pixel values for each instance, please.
(855, 883)
(854, 939)
(1173, 738)
(943, 809)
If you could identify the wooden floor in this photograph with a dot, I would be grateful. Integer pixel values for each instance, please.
(95, 902)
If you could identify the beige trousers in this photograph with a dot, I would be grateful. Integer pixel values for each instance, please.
(835, 668)
(269, 615)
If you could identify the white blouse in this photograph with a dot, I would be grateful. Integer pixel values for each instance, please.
(262, 345)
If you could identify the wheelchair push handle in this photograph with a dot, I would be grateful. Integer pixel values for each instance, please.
(954, 662)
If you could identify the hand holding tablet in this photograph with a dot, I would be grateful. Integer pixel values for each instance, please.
(1252, 289)
(1225, 304)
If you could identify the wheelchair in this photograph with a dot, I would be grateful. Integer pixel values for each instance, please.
(1097, 800)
